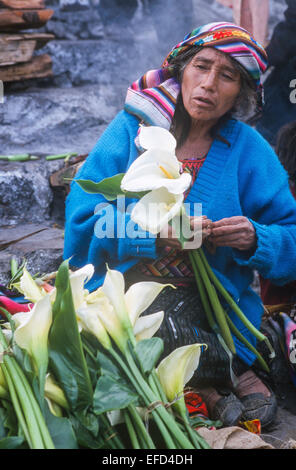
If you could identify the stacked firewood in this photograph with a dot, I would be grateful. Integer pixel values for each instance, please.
(17, 45)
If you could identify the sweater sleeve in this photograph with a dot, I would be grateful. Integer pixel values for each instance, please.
(96, 229)
(267, 201)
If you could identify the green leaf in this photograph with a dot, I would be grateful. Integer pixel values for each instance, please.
(149, 352)
(61, 431)
(108, 187)
(107, 366)
(12, 442)
(10, 422)
(85, 437)
(66, 356)
(112, 394)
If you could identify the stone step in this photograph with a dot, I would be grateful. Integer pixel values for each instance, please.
(59, 119)
(40, 244)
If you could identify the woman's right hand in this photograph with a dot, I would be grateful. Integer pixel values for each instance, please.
(167, 237)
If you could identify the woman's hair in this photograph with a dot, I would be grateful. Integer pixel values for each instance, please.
(286, 148)
(244, 106)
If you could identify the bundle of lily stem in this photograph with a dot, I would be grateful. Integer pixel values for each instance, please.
(209, 286)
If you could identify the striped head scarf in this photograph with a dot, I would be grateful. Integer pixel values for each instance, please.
(153, 97)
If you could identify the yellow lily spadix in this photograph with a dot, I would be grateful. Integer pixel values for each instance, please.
(158, 167)
(175, 370)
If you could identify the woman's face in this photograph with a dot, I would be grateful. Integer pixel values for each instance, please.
(210, 85)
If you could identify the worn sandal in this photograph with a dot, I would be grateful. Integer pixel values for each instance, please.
(258, 399)
(222, 405)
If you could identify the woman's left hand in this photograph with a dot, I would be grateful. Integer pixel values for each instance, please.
(236, 232)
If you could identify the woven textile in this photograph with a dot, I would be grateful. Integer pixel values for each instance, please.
(228, 38)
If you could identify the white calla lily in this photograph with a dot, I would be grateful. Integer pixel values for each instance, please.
(157, 137)
(140, 296)
(110, 308)
(77, 280)
(111, 322)
(156, 209)
(32, 335)
(29, 288)
(90, 321)
(158, 167)
(175, 370)
(146, 327)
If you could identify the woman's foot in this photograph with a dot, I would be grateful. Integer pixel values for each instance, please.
(222, 406)
(259, 401)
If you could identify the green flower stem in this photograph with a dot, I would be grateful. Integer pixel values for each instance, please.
(36, 410)
(115, 440)
(89, 352)
(202, 292)
(131, 430)
(239, 335)
(143, 435)
(154, 388)
(33, 428)
(260, 336)
(159, 410)
(216, 305)
(133, 375)
(16, 406)
(196, 438)
(32, 425)
(130, 376)
(191, 434)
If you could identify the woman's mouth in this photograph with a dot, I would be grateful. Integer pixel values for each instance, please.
(204, 102)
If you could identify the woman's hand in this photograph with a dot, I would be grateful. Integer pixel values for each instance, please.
(235, 232)
(167, 237)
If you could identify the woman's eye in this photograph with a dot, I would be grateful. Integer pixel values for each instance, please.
(228, 77)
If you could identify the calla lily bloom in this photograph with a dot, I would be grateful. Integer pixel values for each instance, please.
(118, 312)
(54, 393)
(140, 296)
(32, 335)
(77, 280)
(175, 370)
(90, 321)
(158, 167)
(146, 327)
(29, 288)
(156, 209)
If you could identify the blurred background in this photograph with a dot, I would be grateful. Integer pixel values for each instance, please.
(90, 53)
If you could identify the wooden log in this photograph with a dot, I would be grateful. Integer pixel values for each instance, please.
(15, 48)
(11, 20)
(12, 52)
(39, 67)
(22, 4)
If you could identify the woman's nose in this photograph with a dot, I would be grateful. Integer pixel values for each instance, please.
(209, 80)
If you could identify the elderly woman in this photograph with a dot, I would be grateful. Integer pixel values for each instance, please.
(203, 85)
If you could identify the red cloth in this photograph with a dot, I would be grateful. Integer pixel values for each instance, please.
(13, 307)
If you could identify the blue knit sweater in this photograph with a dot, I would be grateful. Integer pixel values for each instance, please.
(245, 178)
